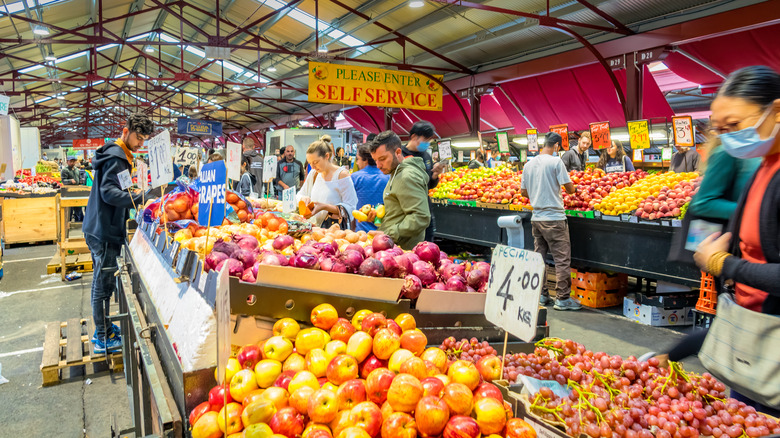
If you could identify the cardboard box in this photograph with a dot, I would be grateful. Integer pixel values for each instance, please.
(351, 285)
(668, 301)
(444, 301)
(656, 316)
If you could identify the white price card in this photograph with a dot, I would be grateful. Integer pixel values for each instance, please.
(142, 171)
(186, 156)
(460, 156)
(666, 154)
(233, 160)
(503, 142)
(445, 149)
(514, 287)
(160, 161)
(288, 200)
(533, 140)
(125, 180)
(683, 131)
(33, 172)
(269, 168)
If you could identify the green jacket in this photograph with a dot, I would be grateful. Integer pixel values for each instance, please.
(406, 204)
(67, 174)
(724, 181)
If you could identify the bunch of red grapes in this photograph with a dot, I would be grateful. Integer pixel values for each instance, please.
(614, 397)
(466, 349)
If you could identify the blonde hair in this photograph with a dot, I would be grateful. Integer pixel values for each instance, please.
(586, 134)
(321, 147)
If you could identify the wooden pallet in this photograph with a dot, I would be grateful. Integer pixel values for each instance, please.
(67, 344)
(77, 262)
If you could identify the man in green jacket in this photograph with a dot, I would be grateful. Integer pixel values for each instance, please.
(406, 195)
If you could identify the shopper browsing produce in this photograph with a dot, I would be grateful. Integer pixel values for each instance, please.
(614, 159)
(369, 182)
(328, 186)
(104, 224)
(255, 164)
(685, 160)
(246, 183)
(478, 161)
(289, 171)
(71, 176)
(577, 157)
(420, 137)
(341, 159)
(543, 177)
(407, 214)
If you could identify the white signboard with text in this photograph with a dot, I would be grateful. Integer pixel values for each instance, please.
(160, 160)
(233, 160)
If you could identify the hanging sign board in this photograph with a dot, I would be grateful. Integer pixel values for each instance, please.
(445, 149)
(269, 168)
(212, 187)
(563, 130)
(5, 103)
(85, 144)
(533, 140)
(639, 134)
(197, 127)
(503, 142)
(683, 131)
(233, 159)
(514, 287)
(185, 156)
(355, 85)
(160, 161)
(599, 133)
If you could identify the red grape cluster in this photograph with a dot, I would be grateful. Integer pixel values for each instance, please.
(614, 397)
(466, 349)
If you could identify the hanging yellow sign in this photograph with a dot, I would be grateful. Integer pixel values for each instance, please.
(639, 134)
(353, 85)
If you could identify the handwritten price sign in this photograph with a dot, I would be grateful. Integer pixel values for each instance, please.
(533, 140)
(639, 134)
(599, 132)
(563, 130)
(186, 156)
(513, 291)
(683, 131)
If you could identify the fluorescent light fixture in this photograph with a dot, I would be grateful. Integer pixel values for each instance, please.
(196, 110)
(236, 88)
(131, 82)
(60, 97)
(63, 109)
(465, 144)
(30, 68)
(271, 69)
(50, 57)
(416, 3)
(40, 30)
(149, 49)
(323, 49)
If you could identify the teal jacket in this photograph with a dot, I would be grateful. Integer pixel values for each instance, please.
(723, 183)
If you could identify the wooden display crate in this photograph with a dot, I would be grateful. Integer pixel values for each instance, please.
(67, 344)
(29, 220)
(77, 262)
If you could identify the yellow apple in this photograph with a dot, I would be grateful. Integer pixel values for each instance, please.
(303, 378)
(317, 361)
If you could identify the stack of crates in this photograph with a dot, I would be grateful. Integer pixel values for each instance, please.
(598, 289)
(705, 306)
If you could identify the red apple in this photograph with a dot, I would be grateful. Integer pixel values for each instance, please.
(353, 432)
(287, 422)
(294, 362)
(462, 371)
(414, 366)
(217, 397)
(394, 327)
(370, 364)
(342, 330)
(399, 425)
(368, 416)
(490, 415)
(229, 418)
(341, 422)
(198, 411)
(461, 426)
(517, 428)
(283, 381)
(431, 415)
(386, 342)
(324, 316)
(387, 410)
(430, 369)
(314, 430)
(373, 323)
(252, 396)
(486, 389)
(206, 426)
(404, 393)
(459, 398)
(351, 393)
(278, 397)
(432, 386)
(437, 356)
(323, 406)
(378, 383)
(342, 368)
(249, 355)
(489, 367)
(414, 341)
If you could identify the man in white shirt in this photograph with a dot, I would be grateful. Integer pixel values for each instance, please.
(541, 184)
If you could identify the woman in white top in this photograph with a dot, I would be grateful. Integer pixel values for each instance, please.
(327, 185)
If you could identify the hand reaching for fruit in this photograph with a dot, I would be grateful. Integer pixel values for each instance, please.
(369, 213)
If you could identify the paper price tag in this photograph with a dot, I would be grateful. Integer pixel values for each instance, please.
(269, 168)
(160, 161)
(33, 172)
(503, 142)
(523, 155)
(186, 156)
(513, 291)
(233, 160)
(637, 154)
(142, 174)
(600, 135)
(445, 150)
(460, 156)
(533, 140)
(288, 200)
(639, 134)
(125, 180)
(683, 131)
(666, 154)
(563, 130)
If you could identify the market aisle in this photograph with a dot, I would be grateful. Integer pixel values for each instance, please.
(29, 299)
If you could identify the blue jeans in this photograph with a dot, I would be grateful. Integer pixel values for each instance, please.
(104, 266)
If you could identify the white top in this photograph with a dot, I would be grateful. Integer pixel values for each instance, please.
(336, 191)
(542, 178)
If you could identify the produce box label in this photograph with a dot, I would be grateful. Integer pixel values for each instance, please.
(639, 134)
(563, 130)
(213, 177)
(355, 85)
(160, 160)
(600, 135)
(513, 290)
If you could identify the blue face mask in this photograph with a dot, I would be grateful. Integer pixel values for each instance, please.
(747, 143)
(423, 146)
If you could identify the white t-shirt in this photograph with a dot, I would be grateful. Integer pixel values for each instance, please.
(542, 178)
(336, 191)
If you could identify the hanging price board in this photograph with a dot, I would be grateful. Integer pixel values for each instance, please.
(503, 142)
(160, 161)
(639, 134)
(233, 160)
(533, 140)
(683, 131)
(5, 103)
(269, 168)
(514, 287)
(445, 150)
(599, 132)
(563, 131)
(186, 156)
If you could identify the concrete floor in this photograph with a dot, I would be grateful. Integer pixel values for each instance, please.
(29, 298)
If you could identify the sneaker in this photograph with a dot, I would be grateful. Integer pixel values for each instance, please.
(113, 330)
(567, 304)
(545, 300)
(113, 343)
